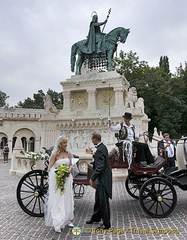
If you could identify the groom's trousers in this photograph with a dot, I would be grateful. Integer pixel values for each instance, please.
(101, 206)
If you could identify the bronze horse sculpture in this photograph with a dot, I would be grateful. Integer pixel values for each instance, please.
(111, 39)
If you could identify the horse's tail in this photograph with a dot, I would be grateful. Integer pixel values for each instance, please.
(73, 56)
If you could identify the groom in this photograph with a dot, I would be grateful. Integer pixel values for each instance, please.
(103, 174)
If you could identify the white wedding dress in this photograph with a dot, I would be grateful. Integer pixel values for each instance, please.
(59, 208)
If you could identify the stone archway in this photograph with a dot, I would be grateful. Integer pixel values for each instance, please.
(3, 139)
(27, 137)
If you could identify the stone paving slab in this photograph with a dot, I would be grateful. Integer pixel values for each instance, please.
(127, 218)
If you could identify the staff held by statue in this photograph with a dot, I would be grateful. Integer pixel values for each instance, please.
(109, 11)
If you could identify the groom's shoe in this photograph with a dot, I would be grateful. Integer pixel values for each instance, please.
(103, 227)
(91, 221)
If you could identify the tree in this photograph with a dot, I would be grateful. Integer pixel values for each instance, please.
(164, 63)
(161, 104)
(3, 98)
(154, 85)
(38, 103)
(57, 98)
(179, 86)
(129, 65)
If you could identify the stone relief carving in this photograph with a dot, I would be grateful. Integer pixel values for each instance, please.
(80, 100)
(81, 139)
(106, 98)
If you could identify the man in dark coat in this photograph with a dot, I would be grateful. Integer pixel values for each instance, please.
(103, 175)
(168, 146)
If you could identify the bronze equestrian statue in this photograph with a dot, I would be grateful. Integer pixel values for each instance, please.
(99, 47)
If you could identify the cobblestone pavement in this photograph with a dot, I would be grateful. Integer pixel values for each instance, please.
(126, 215)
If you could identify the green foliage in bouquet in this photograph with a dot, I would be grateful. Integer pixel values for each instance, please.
(62, 173)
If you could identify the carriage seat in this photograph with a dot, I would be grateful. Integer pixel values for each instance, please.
(81, 177)
(149, 169)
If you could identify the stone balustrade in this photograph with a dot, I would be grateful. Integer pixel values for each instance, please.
(22, 165)
(20, 113)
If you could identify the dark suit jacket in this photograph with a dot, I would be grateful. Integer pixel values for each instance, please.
(102, 170)
(161, 146)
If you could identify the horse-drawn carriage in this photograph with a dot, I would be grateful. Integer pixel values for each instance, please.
(151, 185)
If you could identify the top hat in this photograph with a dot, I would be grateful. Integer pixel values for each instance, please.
(127, 115)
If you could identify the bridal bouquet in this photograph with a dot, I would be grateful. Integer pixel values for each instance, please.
(62, 173)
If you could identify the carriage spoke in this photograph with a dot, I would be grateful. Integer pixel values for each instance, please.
(43, 199)
(166, 204)
(30, 202)
(25, 191)
(151, 206)
(39, 205)
(34, 204)
(158, 197)
(156, 208)
(28, 185)
(31, 192)
(161, 207)
(169, 199)
(23, 198)
(170, 192)
(134, 189)
(29, 177)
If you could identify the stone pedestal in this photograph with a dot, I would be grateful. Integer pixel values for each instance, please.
(89, 99)
(98, 93)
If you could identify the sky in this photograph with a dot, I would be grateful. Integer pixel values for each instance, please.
(36, 38)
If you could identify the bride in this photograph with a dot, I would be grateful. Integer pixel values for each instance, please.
(59, 207)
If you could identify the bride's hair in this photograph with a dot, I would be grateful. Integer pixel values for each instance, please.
(58, 147)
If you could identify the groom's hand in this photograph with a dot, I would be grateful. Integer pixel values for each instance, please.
(91, 182)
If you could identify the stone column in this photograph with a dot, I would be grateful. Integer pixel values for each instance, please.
(119, 99)
(67, 100)
(91, 99)
(18, 147)
(38, 146)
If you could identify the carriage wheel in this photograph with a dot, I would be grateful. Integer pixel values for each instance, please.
(158, 197)
(133, 186)
(31, 192)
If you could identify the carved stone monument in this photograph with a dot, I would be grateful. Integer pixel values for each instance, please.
(89, 99)
(91, 96)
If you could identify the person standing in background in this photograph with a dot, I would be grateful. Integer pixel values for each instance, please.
(5, 153)
(168, 145)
